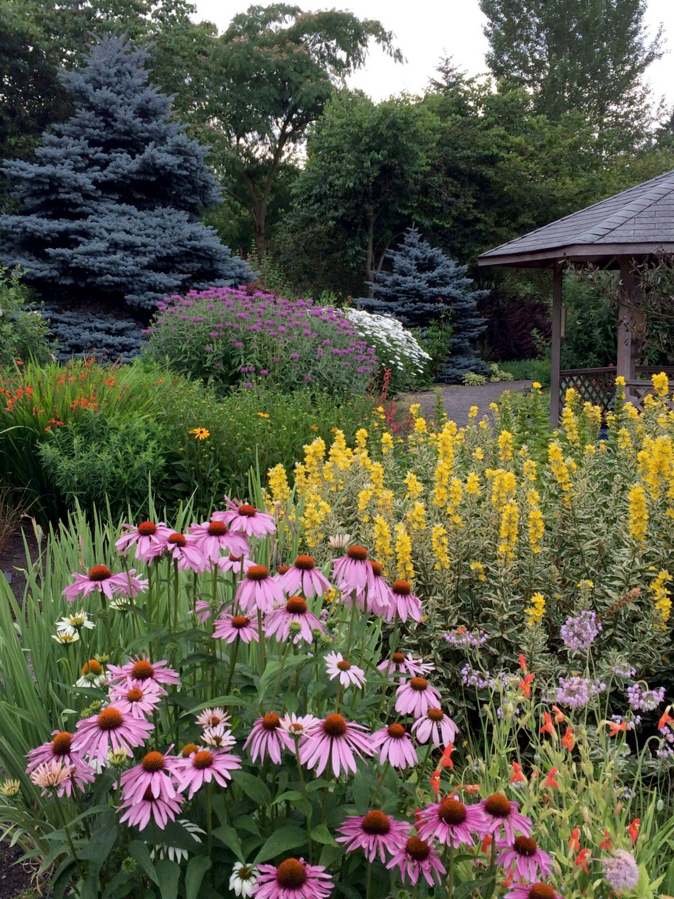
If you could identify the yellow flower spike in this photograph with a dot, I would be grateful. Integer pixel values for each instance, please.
(473, 412)
(414, 486)
(277, 479)
(382, 541)
(478, 570)
(440, 545)
(661, 384)
(505, 446)
(536, 611)
(638, 513)
(508, 531)
(536, 529)
(386, 442)
(662, 596)
(403, 550)
(472, 484)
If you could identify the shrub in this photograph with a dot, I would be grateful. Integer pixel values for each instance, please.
(397, 349)
(23, 333)
(472, 379)
(436, 340)
(529, 370)
(227, 337)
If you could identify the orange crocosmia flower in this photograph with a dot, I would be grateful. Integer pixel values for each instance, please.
(665, 719)
(446, 759)
(548, 727)
(582, 860)
(516, 777)
(486, 843)
(633, 830)
(606, 842)
(615, 729)
(574, 842)
(523, 664)
(525, 685)
(472, 788)
(568, 739)
(550, 779)
(559, 714)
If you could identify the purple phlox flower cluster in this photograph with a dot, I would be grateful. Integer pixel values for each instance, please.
(624, 669)
(463, 637)
(471, 677)
(621, 871)
(581, 632)
(575, 692)
(644, 700)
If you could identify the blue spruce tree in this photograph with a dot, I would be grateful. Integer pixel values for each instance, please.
(107, 219)
(424, 285)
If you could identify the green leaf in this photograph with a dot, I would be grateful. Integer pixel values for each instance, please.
(230, 838)
(168, 875)
(196, 869)
(289, 794)
(321, 834)
(253, 787)
(141, 854)
(283, 840)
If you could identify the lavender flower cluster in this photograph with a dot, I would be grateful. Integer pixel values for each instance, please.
(237, 337)
(575, 692)
(644, 700)
(462, 637)
(581, 632)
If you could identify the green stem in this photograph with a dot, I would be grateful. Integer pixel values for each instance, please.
(232, 664)
(261, 644)
(450, 874)
(62, 818)
(307, 804)
(280, 674)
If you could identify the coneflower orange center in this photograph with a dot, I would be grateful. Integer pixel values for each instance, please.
(142, 670)
(153, 761)
(541, 891)
(402, 588)
(235, 558)
(147, 528)
(134, 695)
(296, 605)
(418, 849)
(247, 510)
(61, 743)
(239, 621)
(452, 811)
(398, 658)
(359, 553)
(305, 563)
(271, 721)
(283, 568)
(334, 725)
(377, 568)
(99, 573)
(435, 714)
(419, 684)
(257, 573)
(291, 874)
(217, 528)
(397, 731)
(525, 846)
(344, 665)
(93, 666)
(203, 759)
(188, 749)
(177, 539)
(497, 805)
(110, 719)
(376, 822)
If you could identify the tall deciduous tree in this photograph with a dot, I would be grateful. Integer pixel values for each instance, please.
(273, 72)
(586, 55)
(108, 212)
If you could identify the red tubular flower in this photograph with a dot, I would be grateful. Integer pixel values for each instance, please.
(606, 842)
(516, 777)
(525, 685)
(633, 830)
(665, 719)
(486, 842)
(574, 842)
(559, 714)
(568, 739)
(548, 727)
(550, 780)
(523, 664)
(446, 758)
(582, 860)
(435, 782)
(615, 729)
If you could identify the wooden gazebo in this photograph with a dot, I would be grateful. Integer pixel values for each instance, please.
(618, 233)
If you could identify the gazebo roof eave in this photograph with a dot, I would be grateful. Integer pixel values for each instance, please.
(606, 255)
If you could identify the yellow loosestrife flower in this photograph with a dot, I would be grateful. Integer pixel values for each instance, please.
(661, 596)
(278, 484)
(404, 565)
(382, 540)
(440, 545)
(536, 529)
(505, 446)
(478, 570)
(414, 486)
(472, 484)
(508, 531)
(661, 384)
(386, 442)
(361, 438)
(536, 610)
(417, 517)
(638, 513)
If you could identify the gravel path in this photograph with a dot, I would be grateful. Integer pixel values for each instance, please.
(458, 399)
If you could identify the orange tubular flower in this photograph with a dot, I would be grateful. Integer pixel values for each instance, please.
(666, 718)
(582, 860)
(559, 714)
(525, 685)
(606, 842)
(516, 777)
(548, 727)
(435, 782)
(633, 830)
(446, 760)
(615, 729)
(523, 664)
(568, 739)
(550, 780)
(486, 842)
(574, 842)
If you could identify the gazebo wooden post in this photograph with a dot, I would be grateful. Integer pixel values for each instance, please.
(556, 342)
(626, 362)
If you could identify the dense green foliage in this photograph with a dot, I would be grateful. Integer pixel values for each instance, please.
(23, 332)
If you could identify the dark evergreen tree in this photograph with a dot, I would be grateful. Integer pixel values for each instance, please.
(108, 221)
(423, 286)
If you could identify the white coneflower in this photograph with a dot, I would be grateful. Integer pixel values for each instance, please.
(72, 624)
(176, 853)
(65, 638)
(51, 775)
(337, 666)
(339, 541)
(9, 788)
(120, 604)
(297, 725)
(243, 880)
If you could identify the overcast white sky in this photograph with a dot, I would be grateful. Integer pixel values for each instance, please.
(426, 30)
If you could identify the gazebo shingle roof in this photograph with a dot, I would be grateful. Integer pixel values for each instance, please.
(637, 221)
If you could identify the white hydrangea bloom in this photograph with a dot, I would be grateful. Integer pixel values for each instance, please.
(396, 347)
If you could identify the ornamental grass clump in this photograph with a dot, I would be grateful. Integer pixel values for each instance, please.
(232, 337)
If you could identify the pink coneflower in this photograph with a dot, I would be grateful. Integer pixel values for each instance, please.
(212, 537)
(415, 697)
(219, 735)
(156, 773)
(337, 666)
(139, 814)
(110, 729)
(336, 741)
(203, 767)
(267, 738)
(525, 856)
(499, 812)
(303, 577)
(237, 564)
(212, 718)
(533, 891)
(183, 550)
(353, 571)
(143, 669)
(294, 618)
(150, 539)
(450, 822)
(233, 627)
(293, 879)
(395, 746)
(99, 578)
(298, 725)
(248, 520)
(258, 591)
(436, 727)
(202, 610)
(403, 603)
(375, 833)
(53, 776)
(139, 698)
(59, 749)
(401, 664)
(416, 859)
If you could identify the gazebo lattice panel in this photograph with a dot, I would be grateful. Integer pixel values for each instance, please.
(594, 385)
